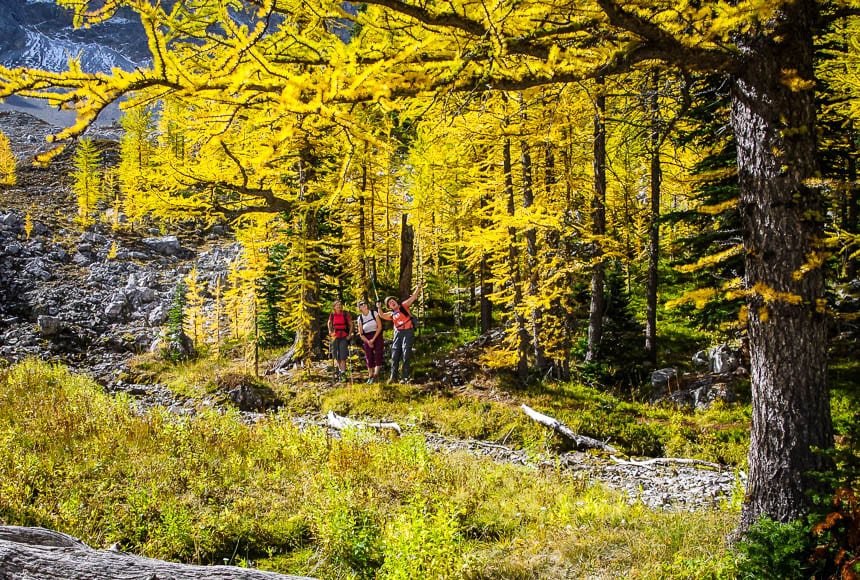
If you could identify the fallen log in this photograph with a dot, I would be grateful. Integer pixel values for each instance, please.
(340, 423)
(50, 555)
(581, 442)
(647, 463)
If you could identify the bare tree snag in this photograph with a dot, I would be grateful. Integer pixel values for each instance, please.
(49, 555)
(580, 441)
(287, 359)
(340, 423)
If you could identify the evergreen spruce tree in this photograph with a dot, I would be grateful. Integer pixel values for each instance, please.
(710, 258)
(179, 346)
(271, 291)
(620, 361)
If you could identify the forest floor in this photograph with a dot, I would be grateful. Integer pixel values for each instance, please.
(659, 483)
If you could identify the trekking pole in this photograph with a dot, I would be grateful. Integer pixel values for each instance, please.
(420, 269)
(349, 363)
(372, 278)
(335, 369)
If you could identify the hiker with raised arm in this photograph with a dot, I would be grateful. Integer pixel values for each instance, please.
(370, 331)
(340, 329)
(399, 313)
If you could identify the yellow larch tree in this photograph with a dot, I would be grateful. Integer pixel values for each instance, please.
(267, 61)
(7, 162)
(87, 180)
(195, 299)
(136, 151)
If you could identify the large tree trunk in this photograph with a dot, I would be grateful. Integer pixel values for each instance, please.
(773, 116)
(598, 228)
(407, 257)
(49, 555)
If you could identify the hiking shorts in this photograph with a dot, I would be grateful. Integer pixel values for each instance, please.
(340, 348)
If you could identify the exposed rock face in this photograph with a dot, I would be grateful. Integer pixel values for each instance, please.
(89, 298)
(40, 34)
(76, 303)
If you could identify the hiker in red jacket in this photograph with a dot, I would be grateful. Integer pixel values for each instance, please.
(340, 329)
(404, 333)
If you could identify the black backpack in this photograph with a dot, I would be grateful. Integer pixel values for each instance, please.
(412, 317)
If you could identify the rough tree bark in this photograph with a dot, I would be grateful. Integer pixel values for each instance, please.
(49, 555)
(773, 116)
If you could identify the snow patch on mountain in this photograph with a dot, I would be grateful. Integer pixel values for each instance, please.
(39, 34)
(52, 53)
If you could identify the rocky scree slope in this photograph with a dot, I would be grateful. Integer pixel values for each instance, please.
(61, 296)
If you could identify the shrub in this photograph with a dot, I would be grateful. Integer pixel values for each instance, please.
(775, 551)
(839, 551)
(423, 542)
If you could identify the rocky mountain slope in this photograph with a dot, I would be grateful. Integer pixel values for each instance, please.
(63, 294)
(39, 34)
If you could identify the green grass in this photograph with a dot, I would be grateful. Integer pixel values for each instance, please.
(207, 488)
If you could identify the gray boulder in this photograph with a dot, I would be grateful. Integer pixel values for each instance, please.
(723, 359)
(165, 246)
(50, 325)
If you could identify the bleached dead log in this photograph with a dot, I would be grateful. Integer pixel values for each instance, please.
(581, 441)
(50, 555)
(340, 423)
(667, 461)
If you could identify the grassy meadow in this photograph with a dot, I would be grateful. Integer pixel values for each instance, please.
(276, 491)
(212, 488)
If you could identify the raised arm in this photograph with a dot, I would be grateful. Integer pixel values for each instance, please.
(408, 302)
(382, 315)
